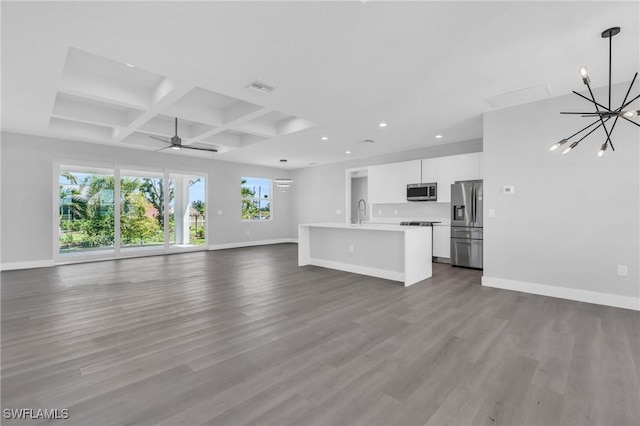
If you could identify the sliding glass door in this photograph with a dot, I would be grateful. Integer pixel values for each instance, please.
(155, 212)
(141, 211)
(86, 212)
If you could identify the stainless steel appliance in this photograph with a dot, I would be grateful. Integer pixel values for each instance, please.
(422, 192)
(466, 224)
(417, 223)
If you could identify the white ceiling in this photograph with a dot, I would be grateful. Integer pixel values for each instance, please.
(425, 68)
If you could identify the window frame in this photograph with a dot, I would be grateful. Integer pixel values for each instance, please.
(117, 253)
(269, 199)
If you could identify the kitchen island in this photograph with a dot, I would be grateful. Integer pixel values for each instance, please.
(393, 252)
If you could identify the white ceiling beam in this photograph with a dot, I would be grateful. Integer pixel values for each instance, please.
(110, 93)
(93, 114)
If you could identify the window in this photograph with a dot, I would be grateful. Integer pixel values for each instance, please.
(256, 198)
(156, 211)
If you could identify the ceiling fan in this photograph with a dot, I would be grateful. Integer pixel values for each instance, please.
(176, 142)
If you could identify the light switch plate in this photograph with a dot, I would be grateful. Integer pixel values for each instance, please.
(509, 190)
(492, 213)
(338, 211)
(622, 270)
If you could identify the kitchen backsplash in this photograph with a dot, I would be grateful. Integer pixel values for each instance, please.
(417, 210)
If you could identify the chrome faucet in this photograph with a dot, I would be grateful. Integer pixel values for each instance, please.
(362, 207)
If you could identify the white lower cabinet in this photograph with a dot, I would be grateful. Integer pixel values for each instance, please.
(442, 241)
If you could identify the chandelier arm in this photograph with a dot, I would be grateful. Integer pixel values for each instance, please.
(585, 128)
(629, 102)
(593, 101)
(591, 131)
(631, 121)
(598, 111)
(624, 104)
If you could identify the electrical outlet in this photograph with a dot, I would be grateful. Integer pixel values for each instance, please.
(351, 248)
(248, 231)
(379, 212)
(395, 211)
(338, 211)
(219, 212)
(622, 270)
(492, 213)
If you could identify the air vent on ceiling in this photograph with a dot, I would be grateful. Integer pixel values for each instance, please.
(519, 97)
(262, 86)
(368, 141)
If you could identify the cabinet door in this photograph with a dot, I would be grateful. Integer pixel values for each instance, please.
(467, 166)
(388, 182)
(429, 170)
(445, 178)
(442, 241)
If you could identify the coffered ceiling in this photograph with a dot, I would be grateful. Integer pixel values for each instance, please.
(118, 72)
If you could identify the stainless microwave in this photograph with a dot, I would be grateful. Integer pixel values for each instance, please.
(422, 192)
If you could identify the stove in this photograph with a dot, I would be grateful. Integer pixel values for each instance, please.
(417, 223)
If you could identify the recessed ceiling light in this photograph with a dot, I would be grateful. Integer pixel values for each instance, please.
(347, 152)
(129, 65)
(382, 125)
(324, 138)
(284, 160)
(438, 136)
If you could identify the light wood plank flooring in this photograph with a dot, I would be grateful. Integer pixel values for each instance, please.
(246, 337)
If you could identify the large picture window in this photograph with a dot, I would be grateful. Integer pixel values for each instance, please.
(256, 198)
(109, 212)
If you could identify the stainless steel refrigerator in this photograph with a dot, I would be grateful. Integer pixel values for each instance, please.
(466, 224)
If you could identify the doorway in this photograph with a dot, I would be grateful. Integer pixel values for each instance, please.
(358, 209)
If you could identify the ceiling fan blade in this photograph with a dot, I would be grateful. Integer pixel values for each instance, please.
(162, 149)
(199, 149)
(160, 139)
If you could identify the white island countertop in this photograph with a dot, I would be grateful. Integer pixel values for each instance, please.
(393, 252)
(365, 226)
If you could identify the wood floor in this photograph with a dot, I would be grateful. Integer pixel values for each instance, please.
(246, 337)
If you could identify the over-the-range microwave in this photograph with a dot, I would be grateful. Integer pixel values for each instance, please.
(422, 192)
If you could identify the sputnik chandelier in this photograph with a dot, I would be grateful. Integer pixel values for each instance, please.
(602, 114)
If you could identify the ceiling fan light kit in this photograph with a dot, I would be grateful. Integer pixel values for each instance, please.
(602, 113)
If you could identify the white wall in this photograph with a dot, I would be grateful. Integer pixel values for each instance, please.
(321, 190)
(572, 219)
(27, 193)
(359, 191)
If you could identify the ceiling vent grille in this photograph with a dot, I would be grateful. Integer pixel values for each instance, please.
(368, 141)
(262, 86)
(519, 97)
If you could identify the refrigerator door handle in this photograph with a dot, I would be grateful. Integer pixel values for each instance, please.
(473, 205)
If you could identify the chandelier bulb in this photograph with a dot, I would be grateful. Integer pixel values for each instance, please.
(566, 151)
(584, 73)
(557, 145)
(630, 114)
(603, 148)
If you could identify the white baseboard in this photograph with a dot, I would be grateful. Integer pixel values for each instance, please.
(357, 269)
(27, 265)
(252, 243)
(597, 298)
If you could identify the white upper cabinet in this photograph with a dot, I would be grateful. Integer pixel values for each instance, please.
(388, 182)
(446, 176)
(429, 170)
(467, 166)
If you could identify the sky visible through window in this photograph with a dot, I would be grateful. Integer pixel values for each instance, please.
(261, 187)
